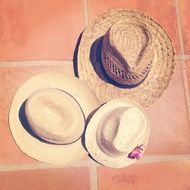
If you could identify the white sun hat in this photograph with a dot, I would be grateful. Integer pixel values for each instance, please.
(118, 133)
(47, 117)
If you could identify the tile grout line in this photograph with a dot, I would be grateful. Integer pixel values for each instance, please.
(179, 27)
(186, 57)
(93, 178)
(9, 64)
(185, 81)
(163, 158)
(92, 165)
(85, 11)
(30, 63)
(36, 166)
(182, 57)
(179, 58)
(183, 67)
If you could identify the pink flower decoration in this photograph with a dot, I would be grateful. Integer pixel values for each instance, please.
(136, 153)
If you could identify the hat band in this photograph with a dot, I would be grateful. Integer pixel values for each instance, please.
(116, 64)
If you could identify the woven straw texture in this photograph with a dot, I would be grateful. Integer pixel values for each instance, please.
(162, 66)
(127, 52)
(97, 131)
(65, 121)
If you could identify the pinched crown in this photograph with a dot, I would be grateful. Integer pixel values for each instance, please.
(121, 131)
(54, 116)
(127, 52)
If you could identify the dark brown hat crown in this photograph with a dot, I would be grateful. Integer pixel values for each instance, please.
(127, 52)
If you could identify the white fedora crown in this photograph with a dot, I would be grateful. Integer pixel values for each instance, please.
(116, 131)
(120, 130)
(54, 116)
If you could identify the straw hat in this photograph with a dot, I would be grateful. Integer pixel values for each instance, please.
(125, 53)
(47, 117)
(117, 134)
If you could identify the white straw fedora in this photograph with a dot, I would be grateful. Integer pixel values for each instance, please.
(126, 53)
(118, 133)
(47, 117)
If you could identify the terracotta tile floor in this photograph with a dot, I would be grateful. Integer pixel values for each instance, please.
(46, 179)
(49, 30)
(170, 132)
(42, 29)
(169, 176)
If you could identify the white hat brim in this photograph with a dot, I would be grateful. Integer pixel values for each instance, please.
(50, 153)
(91, 140)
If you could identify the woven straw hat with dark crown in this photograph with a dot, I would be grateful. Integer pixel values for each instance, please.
(126, 53)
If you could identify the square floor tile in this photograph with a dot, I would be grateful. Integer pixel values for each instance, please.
(170, 130)
(46, 179)
(163, 11)
(43, 29)
(155, 176)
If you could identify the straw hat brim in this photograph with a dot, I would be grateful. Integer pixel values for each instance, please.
(91, 131)
(89, 66)
(45, 152)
